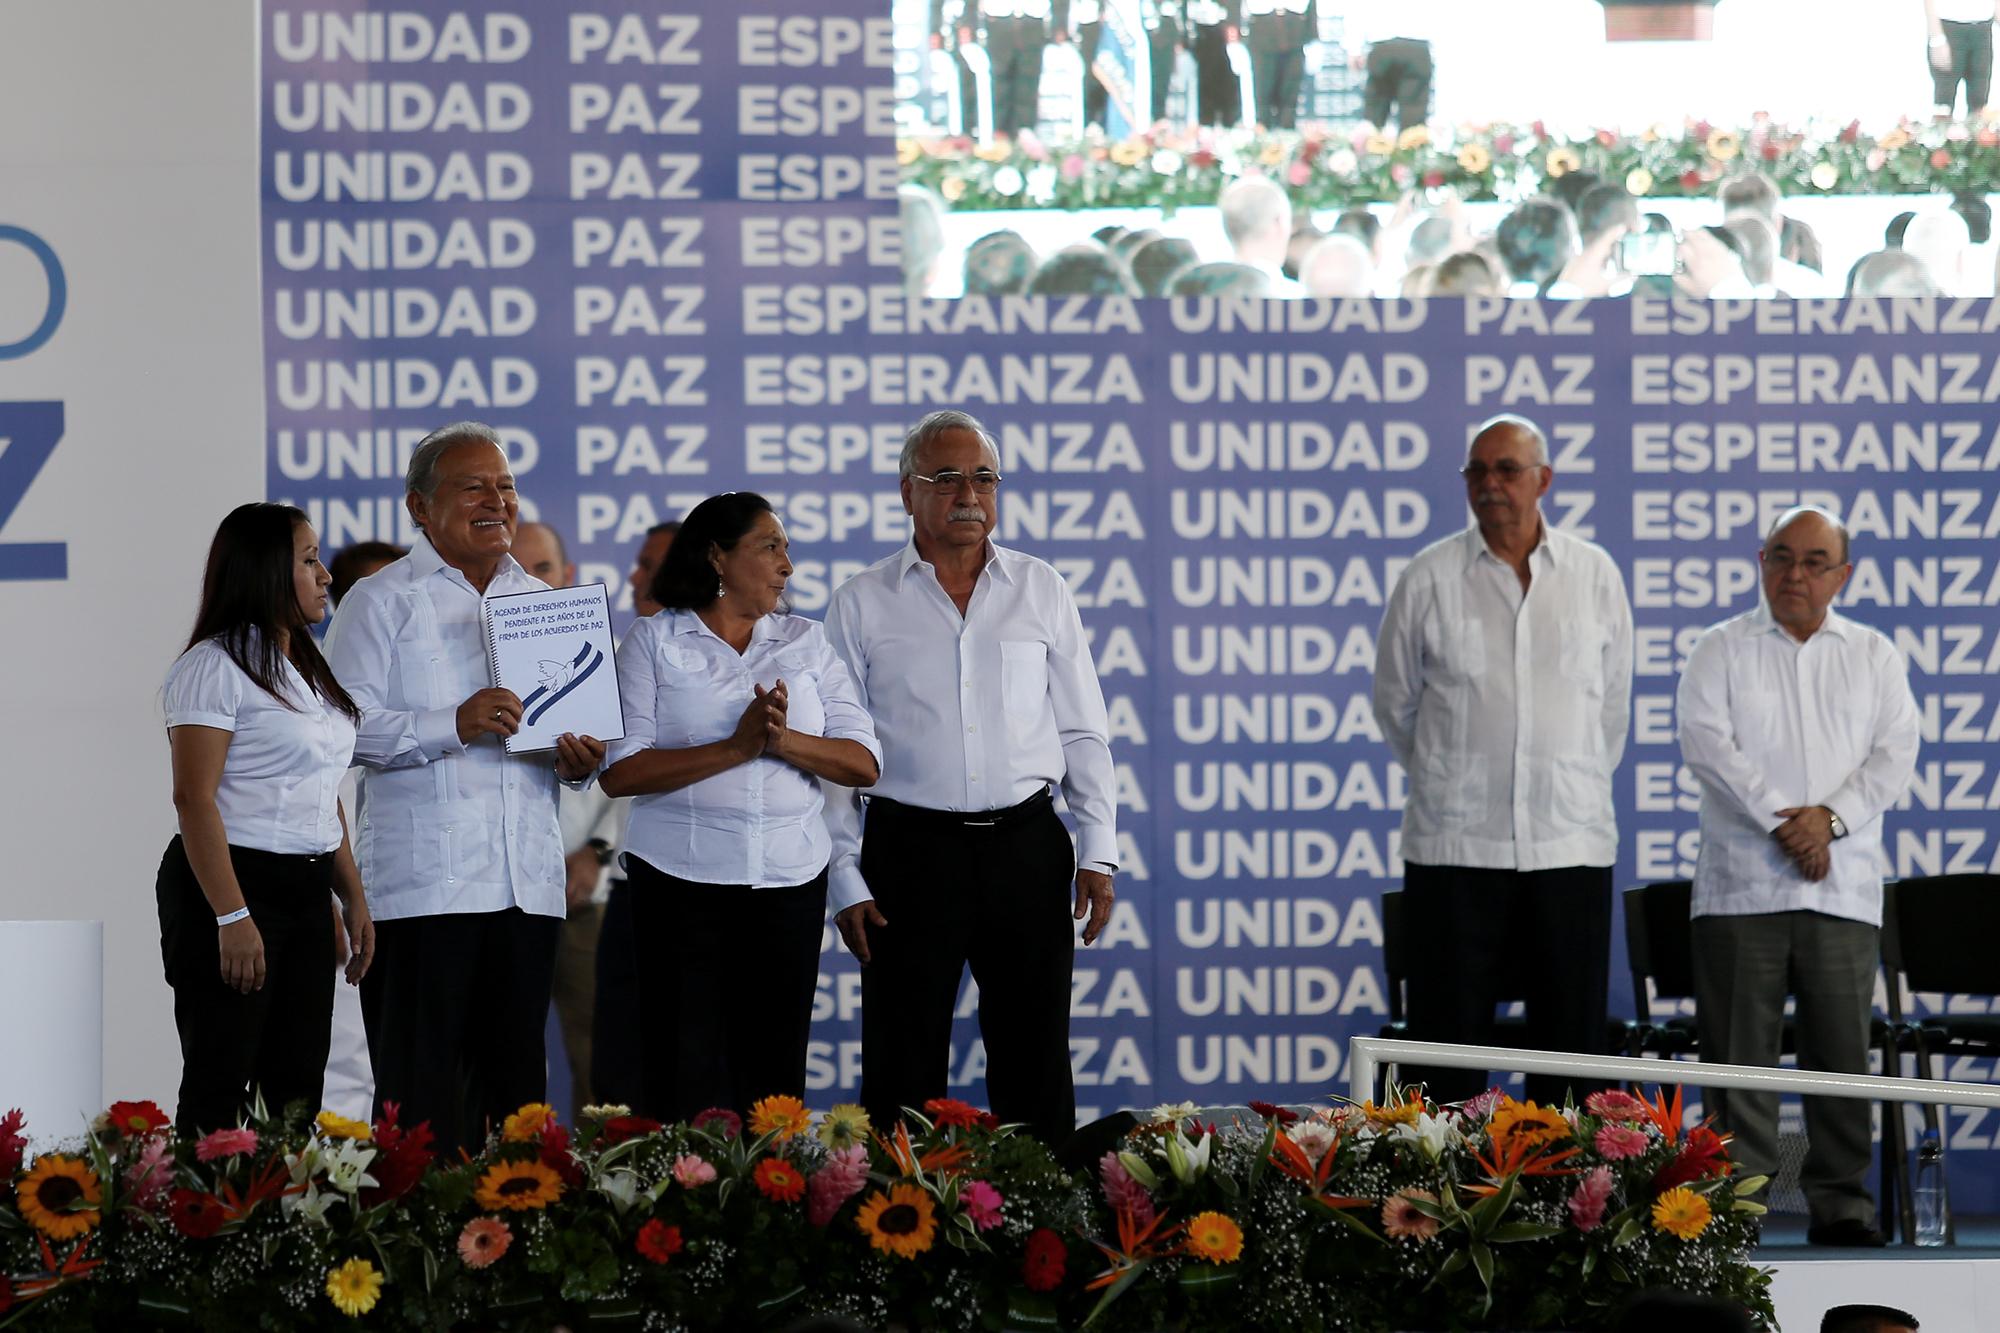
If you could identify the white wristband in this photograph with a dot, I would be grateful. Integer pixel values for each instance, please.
(239, 914)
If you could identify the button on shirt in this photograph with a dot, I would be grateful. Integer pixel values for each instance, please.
(444, 826)
(280, 783)
(759, 823)
(1508, 708)
(975, 712)
(1767, 724)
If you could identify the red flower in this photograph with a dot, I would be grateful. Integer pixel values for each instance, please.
(196, 1215)
(950, 1111)
(555, 1154)
(1271, 1111)
(1852, 132)
(988, 1121)
(1704, 1153)
(730, 1123)
(1042, 1266)
(1770, 152)
(780, 1180)
(402, 1157)
(136, 1117)
(1702, 129)
(1606, 138)
(1202, 158)
(1541, 130)
(659, 1242)
(1690, 179)
(1940, 159)
(1503, 144)
(6, 1293)
(1433, 178)
(13, 1143)
(622, 1127)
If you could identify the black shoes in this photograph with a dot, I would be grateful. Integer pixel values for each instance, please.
(1849, 1233)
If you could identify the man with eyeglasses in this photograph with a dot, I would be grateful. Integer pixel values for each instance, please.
(1503, 678)
(1800, 727)
(972, 660)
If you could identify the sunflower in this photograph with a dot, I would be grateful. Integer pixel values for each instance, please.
(1474, 158)
(1533, 1125)
(1562, 161)
(1395, 1113)
(786, 1117)
(908, 151)
(901, 1222)
(526, 1125)
(518, 1185)
(59, 1196)
(1214, 1238)
(354, 1287)
(844, 1126)
(337, 1126)
(1681, 1212)
(1128, 154)
(779, 1180)
(1723, 144)
(1415, 137)
(1378, 144)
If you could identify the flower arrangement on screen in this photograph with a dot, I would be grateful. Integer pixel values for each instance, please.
(1172, 168)
(1495, 1214)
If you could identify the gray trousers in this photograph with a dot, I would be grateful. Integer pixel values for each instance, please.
(1744, 967)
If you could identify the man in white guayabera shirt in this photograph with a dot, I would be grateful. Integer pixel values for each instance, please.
(1503, 679)
(1800, 726)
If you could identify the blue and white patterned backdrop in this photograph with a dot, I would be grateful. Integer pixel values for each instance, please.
(657, 245)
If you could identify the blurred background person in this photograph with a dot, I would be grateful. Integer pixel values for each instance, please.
(1391, 42)
(1939, 240)
(357, 562)
(1961, 52)
(1221, 278)
(1000, 263)
(1278, 33)
(1537, 241)
(1257, 218)
(1156, 263)
(1758, 195)
(1017, 32)
(922, 216)
(1338, 266)
(1218, 92)
(260, 733)
(1083, 270)
(734, 710)
(1465, 274)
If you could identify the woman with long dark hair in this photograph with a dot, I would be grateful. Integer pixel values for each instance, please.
(261, 733)
(733, 712)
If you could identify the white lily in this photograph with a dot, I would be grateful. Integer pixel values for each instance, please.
(1137, 1168)
(347, 1167)
(1432, 1134)
(1189, 1160)
(621, 1187)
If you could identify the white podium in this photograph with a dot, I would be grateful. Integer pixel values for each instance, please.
(52, 1042)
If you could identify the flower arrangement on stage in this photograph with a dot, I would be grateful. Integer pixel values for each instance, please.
(1172, 168)
(1496, 1214)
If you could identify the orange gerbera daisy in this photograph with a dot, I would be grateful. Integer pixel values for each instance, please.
(1681, 1212)
(518, 1185)
(780, 1180)
(900, 1222)
(787, 1117)
(59, 1196)
(526, 1125)
(1214, 1238)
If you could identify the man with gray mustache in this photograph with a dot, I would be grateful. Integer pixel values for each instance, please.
(972, 660)
(1503, 682)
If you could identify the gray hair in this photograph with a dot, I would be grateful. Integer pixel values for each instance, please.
(421, 479)
(1250, 205)
(936, 424)
(1797, 512)
(1519, 423)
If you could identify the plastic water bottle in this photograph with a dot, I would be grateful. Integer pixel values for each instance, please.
(1927, 1190)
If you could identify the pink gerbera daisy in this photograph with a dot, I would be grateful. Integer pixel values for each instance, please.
(483, 1241)
(1403, 1220)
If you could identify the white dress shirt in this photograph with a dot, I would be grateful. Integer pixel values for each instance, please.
(280, 787)
(444, 826)
(760, 823)
(1508, 708)
(975, 712)
(1767, 724)
(585, 815)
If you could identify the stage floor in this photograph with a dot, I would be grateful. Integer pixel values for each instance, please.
(1951, 1289)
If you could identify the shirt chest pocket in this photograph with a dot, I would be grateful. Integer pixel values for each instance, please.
(1582, 657)
(425, 675)
(1456, 646)
(692, 704)
(1024, 681)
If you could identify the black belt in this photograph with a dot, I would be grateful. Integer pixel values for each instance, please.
(1040, 801)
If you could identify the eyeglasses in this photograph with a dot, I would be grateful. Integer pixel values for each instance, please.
(1507, 471)
(984, 482)
(1813, 566)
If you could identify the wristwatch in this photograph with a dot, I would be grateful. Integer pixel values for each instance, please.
(1833, 822)
(602, 850)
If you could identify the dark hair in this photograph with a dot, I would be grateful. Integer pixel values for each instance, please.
(1759, 246)
(1569, 188)
(1656, 222)
(670, 527)
(1107, 235)
(1865, 1319)
(685, 581)
(1083, 270)
(1222, 277)
(1536, 240)
(1800, 244)
(1604, 207)
(1155, 263)
(999, 263)
(1978, 215)
(1129, 244)
(1664, 1311)
(1892, 235)
(249, 598)
(1728, 240)
(347, 567)
(1359, 223)
(1464, 274)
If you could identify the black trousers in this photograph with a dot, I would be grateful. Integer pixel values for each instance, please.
(996, 898)
(1398, 71)
(1479, 934)
(1096, 97)
(1278, 60)
(727, 994)
(617, 1065)
(1015, 47)
(1971, 47)
(455, 1006)
(273, 1040)
(1218, 94)
(1163, 39)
